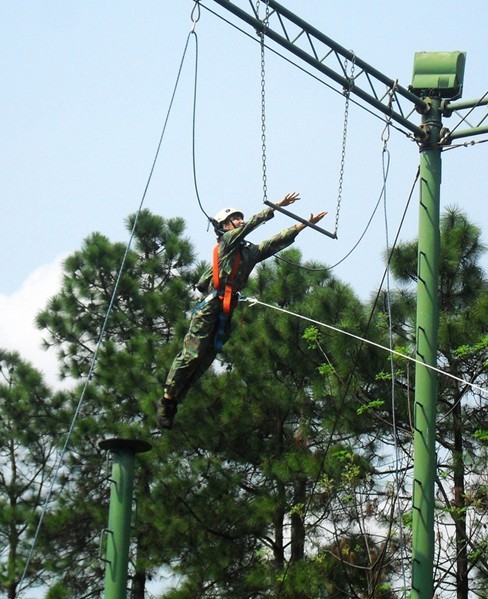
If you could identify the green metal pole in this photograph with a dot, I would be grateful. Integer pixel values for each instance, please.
(120, 512)
(426, 379)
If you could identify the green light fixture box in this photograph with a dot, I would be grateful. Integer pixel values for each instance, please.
(439, 74)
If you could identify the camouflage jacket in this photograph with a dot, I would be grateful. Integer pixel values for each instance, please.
(234, 241)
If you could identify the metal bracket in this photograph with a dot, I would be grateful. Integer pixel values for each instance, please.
(101, 548)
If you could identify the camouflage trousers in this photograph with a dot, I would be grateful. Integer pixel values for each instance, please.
(198, 351)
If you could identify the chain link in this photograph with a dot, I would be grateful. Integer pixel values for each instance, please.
(263, 99)
(347, 93)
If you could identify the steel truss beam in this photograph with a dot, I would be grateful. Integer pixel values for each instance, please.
(324, 54)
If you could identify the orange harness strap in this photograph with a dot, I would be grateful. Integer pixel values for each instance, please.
(226, 294)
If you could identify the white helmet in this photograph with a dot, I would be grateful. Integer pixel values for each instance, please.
(225, 213)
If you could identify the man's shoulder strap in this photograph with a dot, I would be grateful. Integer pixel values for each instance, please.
(224, 294)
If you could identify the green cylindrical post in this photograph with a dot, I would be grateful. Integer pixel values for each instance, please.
(426, 379)
(120, 513)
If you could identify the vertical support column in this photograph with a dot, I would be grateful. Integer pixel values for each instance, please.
(426, 379)
(120, 513)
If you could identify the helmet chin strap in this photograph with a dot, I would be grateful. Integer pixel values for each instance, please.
(231, 222)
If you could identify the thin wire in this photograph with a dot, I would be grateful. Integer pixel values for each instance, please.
(464, 144)
(195, 86)
(365, 229)
(385, 137)
(463, 119)
(102, 333)
(254, 301)
(392, 365)
(326, 268)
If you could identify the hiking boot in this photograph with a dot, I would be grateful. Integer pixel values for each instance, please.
(166, 413)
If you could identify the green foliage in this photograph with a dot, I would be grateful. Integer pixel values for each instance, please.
(58, 591)
(407, 518)
(312, 336)
(276, 457)
(375, 404)
(31, 418)
(467, 351)
(481, 435)
(480, 552)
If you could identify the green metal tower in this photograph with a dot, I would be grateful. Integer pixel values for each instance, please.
(425, 406)
(436, 75)
(120, 513)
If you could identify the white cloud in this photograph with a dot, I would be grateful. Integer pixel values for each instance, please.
(17, 318)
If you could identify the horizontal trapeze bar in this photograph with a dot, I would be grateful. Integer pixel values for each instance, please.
(300, 219)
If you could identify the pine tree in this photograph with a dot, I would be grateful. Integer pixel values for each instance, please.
(268, 454)
(30, 417)
(142, 331)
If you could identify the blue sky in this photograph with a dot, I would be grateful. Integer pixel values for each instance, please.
(85, 90)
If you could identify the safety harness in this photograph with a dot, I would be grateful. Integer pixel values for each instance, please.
(226, 296)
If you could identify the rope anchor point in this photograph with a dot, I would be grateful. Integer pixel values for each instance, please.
(195, 15)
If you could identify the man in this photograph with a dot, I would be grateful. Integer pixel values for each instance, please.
(234, 260)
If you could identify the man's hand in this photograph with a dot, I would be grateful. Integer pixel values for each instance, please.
(314, 218)
(289, 199)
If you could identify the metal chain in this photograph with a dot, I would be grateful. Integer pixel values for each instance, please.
(263, 99)
(347, 93)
